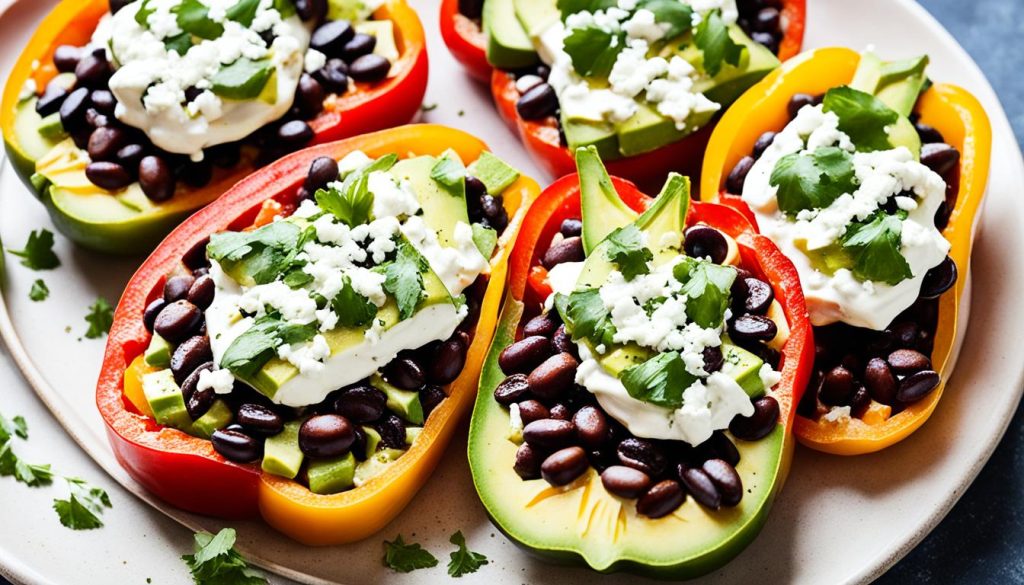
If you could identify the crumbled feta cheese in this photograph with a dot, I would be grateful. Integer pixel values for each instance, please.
(315, 60)
(221, 381)
(457, 265)
(837, 414)
(769, 377)
(391, 199)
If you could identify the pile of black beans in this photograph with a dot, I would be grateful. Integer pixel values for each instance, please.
(121, 155)
(762, 21)
(854, 366)
(566, 431)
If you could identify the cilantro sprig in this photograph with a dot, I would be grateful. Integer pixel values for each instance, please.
(593, 50)
(813, 180)
(403, 557)
(707, 288)
(352, 308)
(450, 174)
(259, 256)
(84, 506)
(38, 251)
(874, 247)
(862, 116)
(351, 202)
(216, 562)
(625, 247)
(404, 279)
(464, 561)
(586, 316)
(99, 318)
(712, 38)
(258, 344)
(660, 380)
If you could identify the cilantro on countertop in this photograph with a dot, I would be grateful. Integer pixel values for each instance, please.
(405, 558)
(712, 38)
(626, 249)
(404, 279)
(84, 506)
(100, 318)
(39, 290)
(862, 117)
(660, 380)
(464, 561)
(814, 180)
(10, 464)
(586, 317)
(706, 286)
(38, 251)
(13, 427)
(874, 247)
(216, 562)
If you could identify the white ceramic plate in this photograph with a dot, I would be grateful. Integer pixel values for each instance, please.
(838, 520)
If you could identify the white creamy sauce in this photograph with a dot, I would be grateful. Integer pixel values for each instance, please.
(841, 297)
(150, 80)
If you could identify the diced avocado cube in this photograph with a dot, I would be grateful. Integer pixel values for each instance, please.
(411, 434)
(350, 10)
(404, 403)
(330, 476)
(51, 127)
(493, 172)
(372, 440)
(281, 453)
(158, 354)
(375, 465)
(384, 32)
(744, 367)
(218, 417)
(165, 399)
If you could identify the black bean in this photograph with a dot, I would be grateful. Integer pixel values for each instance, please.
(738, 175)
(93, 70)
(904, 333)
(562, 342)
(860, 402)
(767, 20)
(449, 359)
(528, 460)
(294, 133)
(494, 211)
(524, 355)
(236, 446)
(472, 9)
(537, 103)
(156, 178)
(333, 76)
(322, 171)
(571, 227)
(103, 100)
(259, 419)
(837, 387)
(643, 455)
(940, 157)
(66, 57)
(553, 377)
(512, 389)
(703, 241)
(591, 426)
(224, 155)
(567, 250)
(392, 432)
(199, 402)
(72, 109)
(404, 373)
(309, 97)
(189, 355)
(927, 133)
(475, 188)
(762, 144)
(908, 361)
(753, 328)
(130, 155)
(758, 425)
(116, 5)
(176, 287)
(939, 279)
(358, 448)
(700, 487)
(311, 10)
(360, 44)
(108, 175)
(713, 359)
(431, 396)
(759, 296)
(560, 412)
(769, 40)
(202, 291)
(52, 99)
(330, 37)
(720, 447)
(177, 320)
(361, 404)
(152, 310)
(326, 435)
(369, 68)
(661, 499)
(531, 410)
(797, 102)
(544, 324)
(917, 385)
(549, 433)
(726, 480)
(880, 382)
(94, 120)
(562, 467)
(625, 482)
(195, 258)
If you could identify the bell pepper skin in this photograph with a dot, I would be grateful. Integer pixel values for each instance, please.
(561, 200)
(392, 102)
(963, 123)
(185, 471)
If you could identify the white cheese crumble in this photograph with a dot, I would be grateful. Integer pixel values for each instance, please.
(221, 381)
(881, 174)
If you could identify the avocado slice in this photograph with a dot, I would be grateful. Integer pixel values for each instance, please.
(583, 133)
(494, 173)
(158, 353)
(331, 476)
(404, 403)
(372, 440)
(602, 209)
(744, 367)
(375, 465)
(508, 45)
(218, 417)
(281, 453)
(384, 32)
(411, 434)
(897, 84)
(165, 399)
(732, 81)
(442, 209)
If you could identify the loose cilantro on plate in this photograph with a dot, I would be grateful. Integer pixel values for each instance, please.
(862, 117)
(84, 506)
(100, 318)
(216, 562)
(593, 50)
(405, 558)
(626, 249)
(660, 380)
(674, 16)
(404, 279)
(39, 290)
(712, 38)
(450, 174)
(464, 561)
(38, 251)
(814, 180)
(706, 286)
(874, 247)
(586, 317)
(352, 308)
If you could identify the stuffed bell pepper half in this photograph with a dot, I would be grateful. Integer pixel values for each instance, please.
(870, 178)
(303, 348)
(125, 117)
(640, 80)
(635, 408)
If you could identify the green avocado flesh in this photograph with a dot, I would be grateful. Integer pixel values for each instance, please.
(508, 45)
(281, 453)
(897, 84)
(581, 522)
(331, 476)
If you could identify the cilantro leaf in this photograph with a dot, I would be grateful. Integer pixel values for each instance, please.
(142, 16)
(874, 247)
(862, 116)
(84, 506)
(464, 561)
(706, 286)
(258, 344)
(216, 562)
(8, 459)
(39, 291)
(353, 309)
(243, 12)
(626, 249)
(297, 278)
(405, 558)
(660, 380)
(567, 7)
(677, 15)
(259, 256)
(243, 79)
(712, 38)
(11, 427)
(593, 50)
(813, 181)
(352, 202)
(100, 318)
(33, 475)
(485, 238)
(179, 43)
(194, 17)
(586, 317)
(38, 252)
(404, 279)
(450, 174)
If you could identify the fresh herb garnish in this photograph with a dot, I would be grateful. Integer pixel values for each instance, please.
(567, 7)
(142, 16)
(352, 202)
(586, 317)
(428, 107)
(259, 256)
(593, 50)
(216, 562)
(814, 180)
(862, 116)
(660, 380)
(13, 427)
(626, 249)
(712, 38)
(464, 561)
(38, 252)
(84, 506)
(194, 17)
(100, 318)
(485, 238)
(874, 247)
(706, 286)
(297, 278)
(242, 80)
(450, 174)
(676, 17)
(405, 558)
(404, 279)
(179, 43)
(352, 308)
(10, 464)
(258, 344)
(243, 12)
